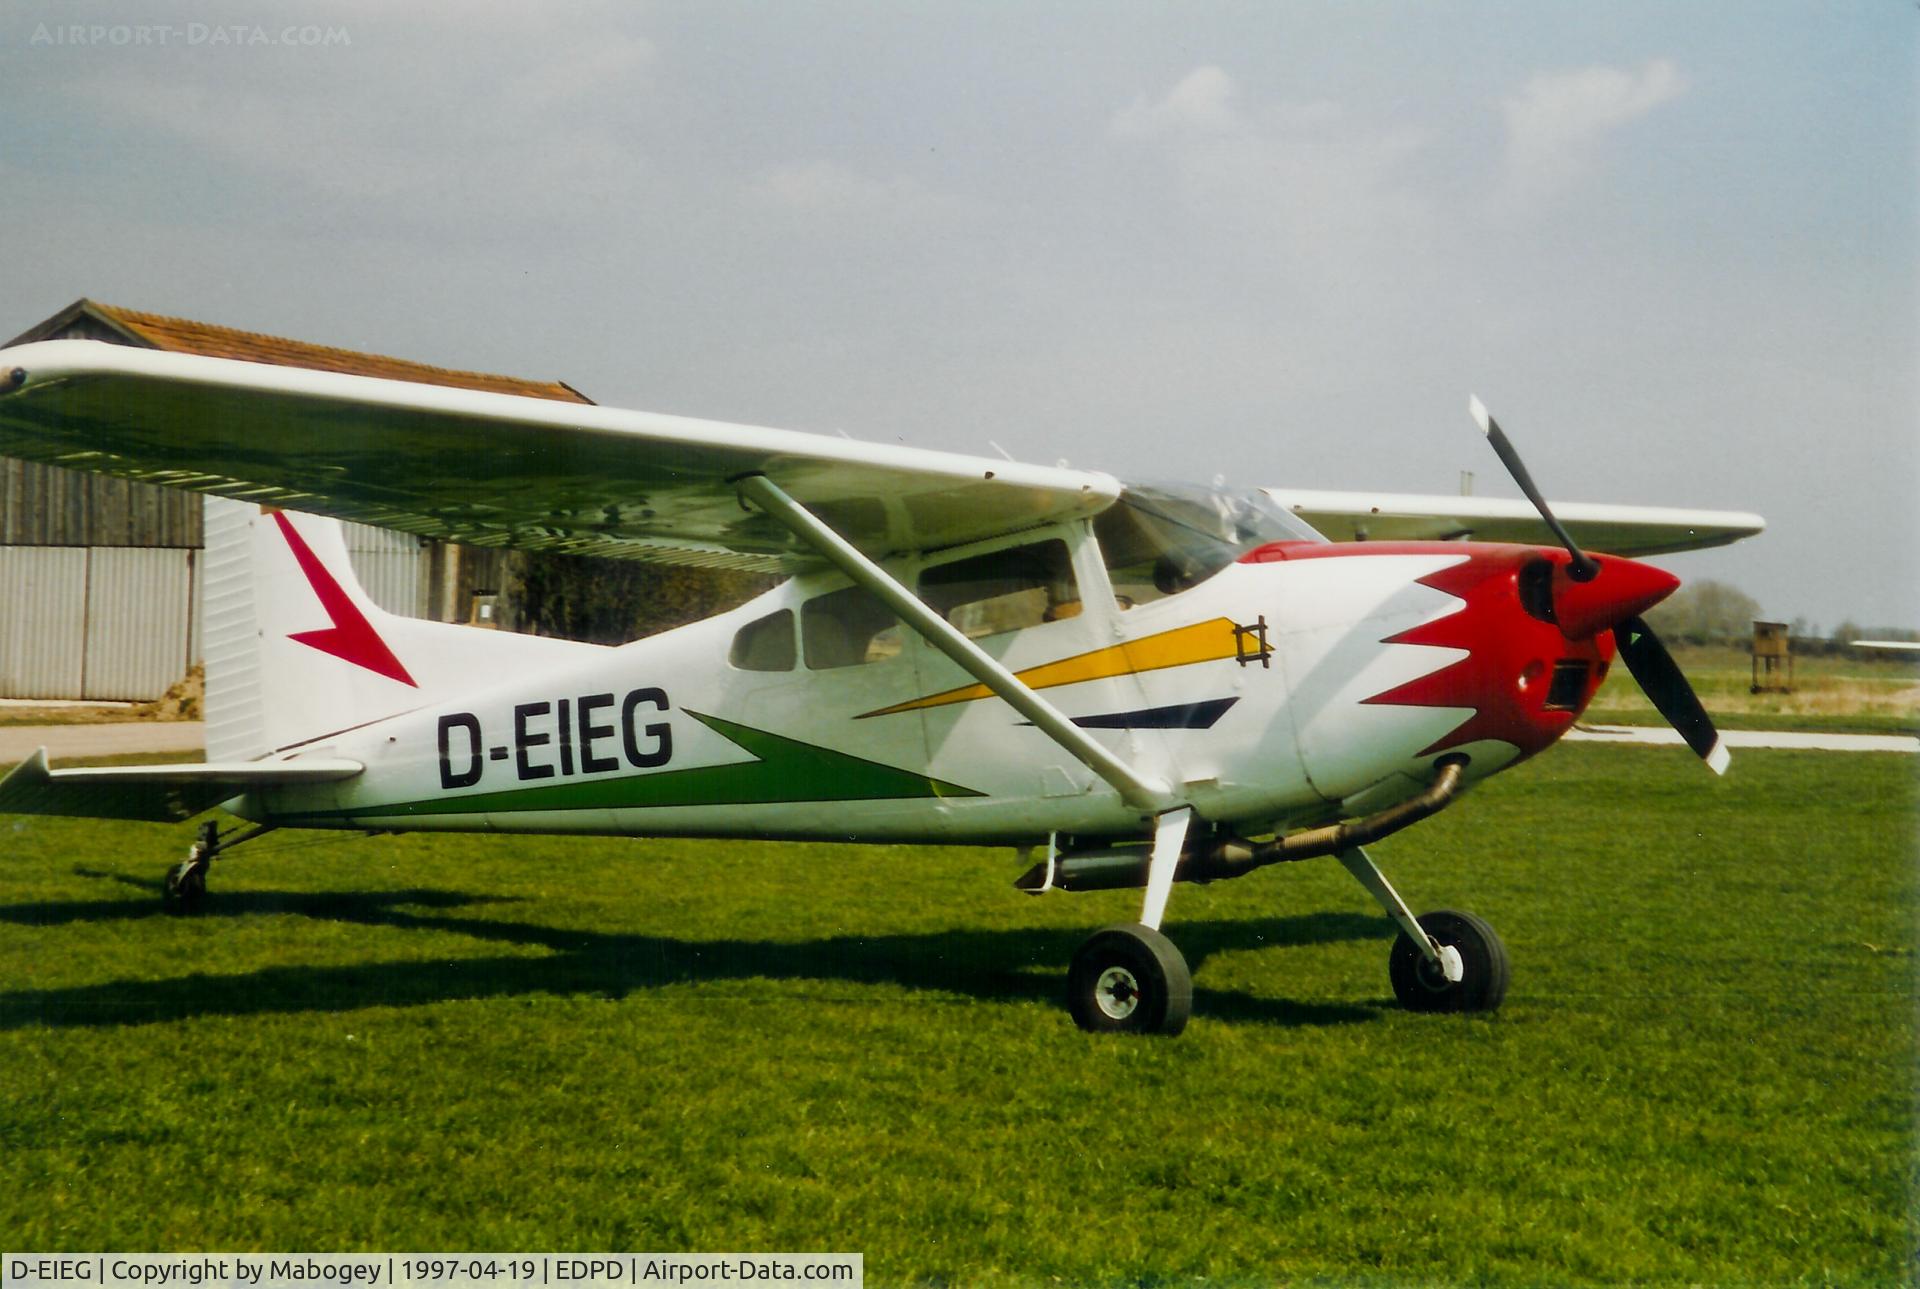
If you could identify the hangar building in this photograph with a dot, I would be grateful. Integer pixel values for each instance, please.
(100, 577)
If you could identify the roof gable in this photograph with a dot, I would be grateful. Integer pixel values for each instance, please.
(92, 320)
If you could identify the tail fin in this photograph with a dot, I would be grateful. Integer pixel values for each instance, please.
(295, 650)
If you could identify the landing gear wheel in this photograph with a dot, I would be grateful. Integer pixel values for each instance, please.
(1130, 979)
(1421, 987)
(186, 887)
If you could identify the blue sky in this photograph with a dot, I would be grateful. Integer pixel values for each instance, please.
(1673, 246)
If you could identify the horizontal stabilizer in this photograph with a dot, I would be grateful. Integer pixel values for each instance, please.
(159, 793)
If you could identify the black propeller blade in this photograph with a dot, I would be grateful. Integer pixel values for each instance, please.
(1652, 666)
(1667, 688)
(1583, 566)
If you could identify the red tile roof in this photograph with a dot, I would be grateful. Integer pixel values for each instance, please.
(180, 335)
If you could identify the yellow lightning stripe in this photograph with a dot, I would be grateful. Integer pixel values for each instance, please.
(1201, 642)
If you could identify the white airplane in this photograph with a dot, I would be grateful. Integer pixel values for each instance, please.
(1146, 685)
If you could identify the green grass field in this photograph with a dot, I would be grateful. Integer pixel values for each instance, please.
(1705, 1072)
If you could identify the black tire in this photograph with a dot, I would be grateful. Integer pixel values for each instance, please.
(1129, 979)
(1483, 959)
(185, 888)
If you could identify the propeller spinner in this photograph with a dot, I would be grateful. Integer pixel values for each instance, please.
(1590, 596)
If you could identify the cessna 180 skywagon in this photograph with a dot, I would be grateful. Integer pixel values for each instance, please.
(1146, 685)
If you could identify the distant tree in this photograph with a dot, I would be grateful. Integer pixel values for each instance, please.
(1704, 611)
(612, 601)
(1847, 632)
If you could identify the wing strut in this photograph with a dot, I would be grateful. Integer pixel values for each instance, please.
(1146, 793)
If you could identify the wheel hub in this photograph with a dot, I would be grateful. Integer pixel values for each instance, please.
(1433, 976)
(1117, 992)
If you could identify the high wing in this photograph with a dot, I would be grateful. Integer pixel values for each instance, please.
(498, 469)
(1616, 530)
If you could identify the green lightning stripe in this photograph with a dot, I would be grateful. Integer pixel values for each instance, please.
(785, 771)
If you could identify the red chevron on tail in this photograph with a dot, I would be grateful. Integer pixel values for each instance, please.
(351, 638)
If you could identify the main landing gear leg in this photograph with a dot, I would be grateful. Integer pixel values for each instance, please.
(1129, 978)
(185, 889)
(1441, 962)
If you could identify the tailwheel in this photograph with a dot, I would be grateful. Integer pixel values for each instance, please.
(186, 886)
(1423, 986)
(1130, 979)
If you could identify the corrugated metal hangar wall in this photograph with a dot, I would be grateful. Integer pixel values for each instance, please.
(121, 619)
(95, 621)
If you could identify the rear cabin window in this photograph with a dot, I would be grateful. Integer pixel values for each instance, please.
(1004, 590)
(847, 627)
(765, 644)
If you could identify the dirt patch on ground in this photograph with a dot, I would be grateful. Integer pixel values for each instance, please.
(185, 700)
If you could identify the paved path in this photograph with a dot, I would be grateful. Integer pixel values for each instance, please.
(1750, 738)
(18, 741)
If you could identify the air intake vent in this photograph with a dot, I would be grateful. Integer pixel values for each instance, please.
(1536, 590)
(1569, 685)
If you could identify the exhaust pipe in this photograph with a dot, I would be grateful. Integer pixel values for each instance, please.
(1123, 867)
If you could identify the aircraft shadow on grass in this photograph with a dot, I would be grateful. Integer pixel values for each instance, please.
(994, 966)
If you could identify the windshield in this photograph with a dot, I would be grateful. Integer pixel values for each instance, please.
(1160, 539)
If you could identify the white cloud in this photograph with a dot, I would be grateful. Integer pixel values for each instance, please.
(612, 63)
(1557, 121)
(820, 188)
(1199, 104)
(1305, 188)
(828, 187)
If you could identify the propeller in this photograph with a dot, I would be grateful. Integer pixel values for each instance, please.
(1592, 599)
(1661, 679)
(1584, 568)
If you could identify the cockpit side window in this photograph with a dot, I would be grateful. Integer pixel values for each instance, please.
(847, 627)
(1004, 590)
(1142, 565)
(1159, 540)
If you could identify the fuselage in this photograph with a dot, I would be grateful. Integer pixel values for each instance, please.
(1287, 682)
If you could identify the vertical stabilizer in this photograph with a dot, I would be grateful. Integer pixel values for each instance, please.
(295, 649)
